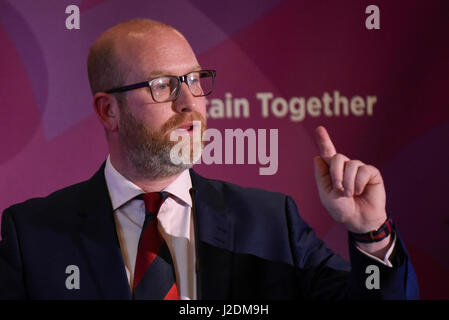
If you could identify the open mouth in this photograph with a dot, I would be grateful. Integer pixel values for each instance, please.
(186, 126)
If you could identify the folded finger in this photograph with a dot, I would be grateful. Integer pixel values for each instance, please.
(366, 174)
(336, 169)
(349, 175)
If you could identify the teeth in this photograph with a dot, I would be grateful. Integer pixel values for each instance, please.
(185, 128)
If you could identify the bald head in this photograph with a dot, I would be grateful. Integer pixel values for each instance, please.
(110, 57)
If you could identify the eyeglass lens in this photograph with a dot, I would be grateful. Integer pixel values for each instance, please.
(165, 88)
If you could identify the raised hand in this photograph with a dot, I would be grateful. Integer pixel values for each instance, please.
(350, 190)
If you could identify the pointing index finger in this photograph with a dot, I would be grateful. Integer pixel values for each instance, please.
(327, 148)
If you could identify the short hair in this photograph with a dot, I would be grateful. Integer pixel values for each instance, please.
(104, 67)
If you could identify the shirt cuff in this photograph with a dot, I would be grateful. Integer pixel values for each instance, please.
(386, 260)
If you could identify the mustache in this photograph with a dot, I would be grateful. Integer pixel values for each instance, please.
(179, 119)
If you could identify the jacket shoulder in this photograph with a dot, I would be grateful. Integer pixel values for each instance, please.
(65, 200)
(62, 200)
(252, 199)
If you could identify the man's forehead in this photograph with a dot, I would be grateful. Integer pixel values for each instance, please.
(167, 72)
(152, 66)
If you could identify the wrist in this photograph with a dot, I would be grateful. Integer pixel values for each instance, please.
(368, 225)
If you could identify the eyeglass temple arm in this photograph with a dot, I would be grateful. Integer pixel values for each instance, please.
(130, 87)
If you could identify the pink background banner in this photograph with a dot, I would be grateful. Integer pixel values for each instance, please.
(382, 94)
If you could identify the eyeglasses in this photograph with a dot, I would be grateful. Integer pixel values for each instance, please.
(167, 88)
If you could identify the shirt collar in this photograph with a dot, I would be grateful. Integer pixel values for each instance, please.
(180, 188)
(121, 190)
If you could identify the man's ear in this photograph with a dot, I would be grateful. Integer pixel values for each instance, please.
(107, 109)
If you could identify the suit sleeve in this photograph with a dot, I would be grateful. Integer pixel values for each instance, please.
(324, 275)
(11, 272)
(397, 282)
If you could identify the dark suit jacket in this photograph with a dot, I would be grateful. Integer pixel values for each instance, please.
(250, 244)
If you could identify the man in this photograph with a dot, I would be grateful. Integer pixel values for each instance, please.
(145, 228)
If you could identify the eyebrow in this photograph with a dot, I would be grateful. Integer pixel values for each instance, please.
(158, 73)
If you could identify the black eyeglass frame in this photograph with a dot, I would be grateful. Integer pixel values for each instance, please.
(180, 79)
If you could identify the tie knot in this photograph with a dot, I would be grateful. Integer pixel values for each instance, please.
(153, 201)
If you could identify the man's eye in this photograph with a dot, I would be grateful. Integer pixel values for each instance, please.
(160, 86)
(194, 81)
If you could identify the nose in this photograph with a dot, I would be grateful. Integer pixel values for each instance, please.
(186, 102)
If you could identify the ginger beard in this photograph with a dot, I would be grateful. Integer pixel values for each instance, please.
(149, 151)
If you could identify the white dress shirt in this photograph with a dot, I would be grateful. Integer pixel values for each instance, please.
(175, 225)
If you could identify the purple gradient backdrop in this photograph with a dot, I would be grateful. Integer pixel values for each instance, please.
(50, 137)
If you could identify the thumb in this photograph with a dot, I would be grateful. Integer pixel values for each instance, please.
(322, 176)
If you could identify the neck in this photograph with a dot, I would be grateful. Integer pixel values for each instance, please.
(154, 184)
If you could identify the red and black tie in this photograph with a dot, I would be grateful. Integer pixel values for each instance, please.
(154, 273)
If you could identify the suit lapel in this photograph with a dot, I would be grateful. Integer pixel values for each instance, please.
(214, 234)
(99, 241)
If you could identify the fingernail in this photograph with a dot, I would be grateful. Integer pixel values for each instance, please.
(338, 186)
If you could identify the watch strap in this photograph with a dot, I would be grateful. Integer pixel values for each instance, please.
(374, 236)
